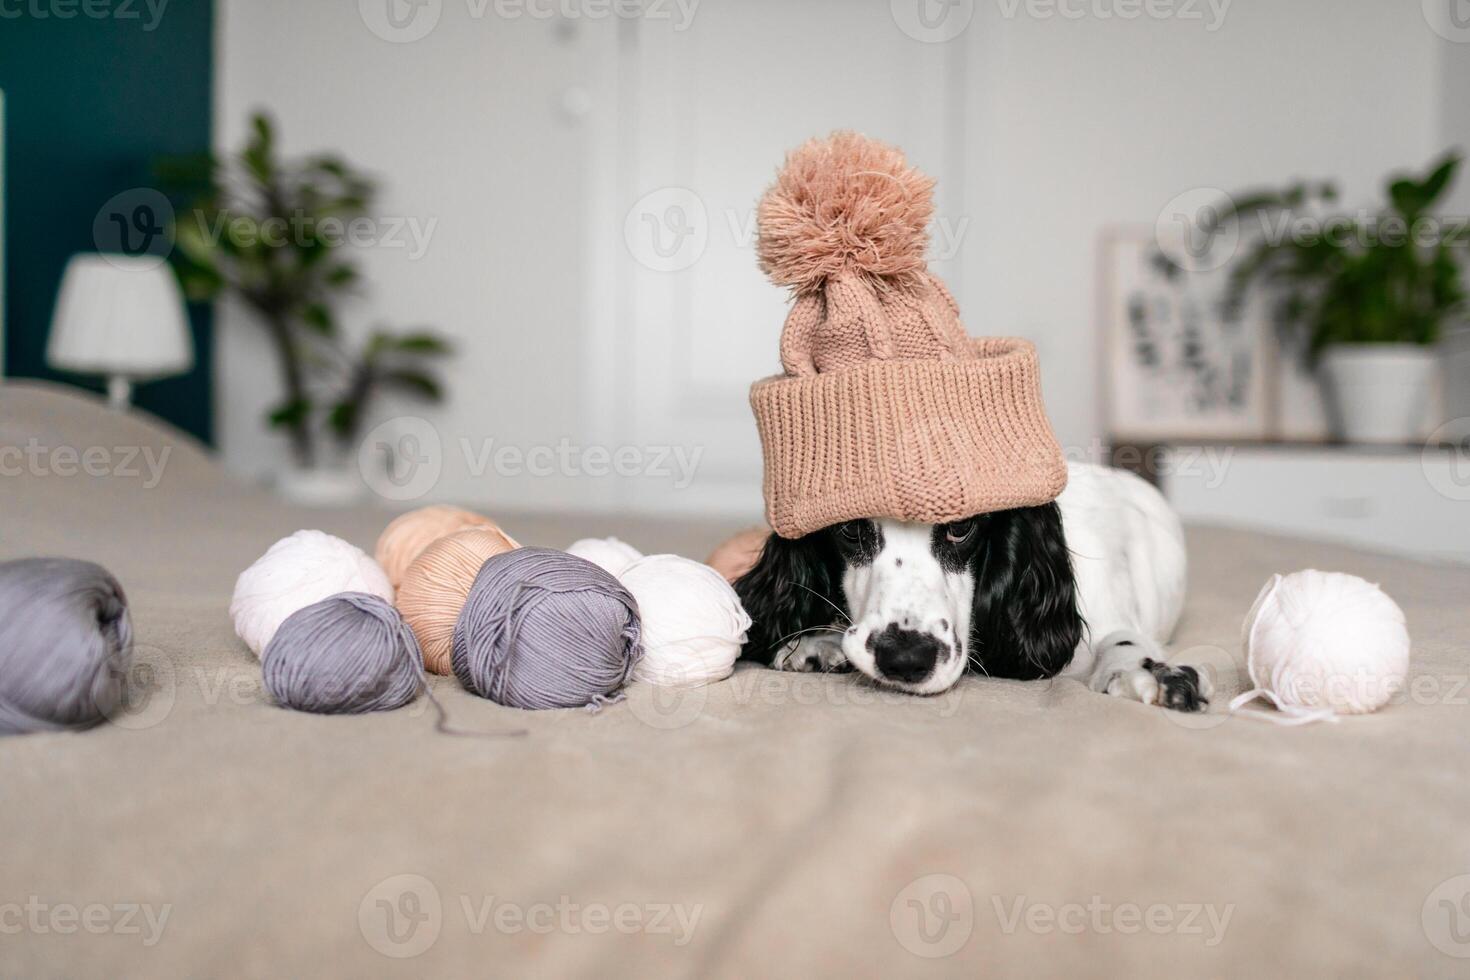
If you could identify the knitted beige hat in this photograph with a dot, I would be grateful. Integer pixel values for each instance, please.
(886, 408)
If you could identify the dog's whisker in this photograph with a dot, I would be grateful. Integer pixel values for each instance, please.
(836, 608)
(810, 629)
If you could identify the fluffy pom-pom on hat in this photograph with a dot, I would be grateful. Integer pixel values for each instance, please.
(845, 204)
(885, 407)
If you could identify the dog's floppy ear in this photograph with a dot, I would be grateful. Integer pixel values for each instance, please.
(1025, 614)
(795, 585)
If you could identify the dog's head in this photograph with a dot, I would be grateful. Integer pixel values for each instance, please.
(919, 603)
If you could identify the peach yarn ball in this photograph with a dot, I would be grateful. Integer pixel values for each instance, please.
(409, 534)
(738, 554)
(438, 582)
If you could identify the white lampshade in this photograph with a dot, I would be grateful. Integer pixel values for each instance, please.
(122, 316)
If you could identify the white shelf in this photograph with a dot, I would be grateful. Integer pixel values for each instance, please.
(1400, 500)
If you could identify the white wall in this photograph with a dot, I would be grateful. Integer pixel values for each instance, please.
(1042, 130)
(1090, 122)
(463, 128)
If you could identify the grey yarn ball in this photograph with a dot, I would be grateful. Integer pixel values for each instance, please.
(346, 654)
(545, 629)
(66, 645)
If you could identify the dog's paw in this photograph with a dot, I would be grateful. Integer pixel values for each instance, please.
(812, 655)
(1155, 682)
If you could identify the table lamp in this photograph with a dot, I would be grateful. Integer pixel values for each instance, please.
(120, 316)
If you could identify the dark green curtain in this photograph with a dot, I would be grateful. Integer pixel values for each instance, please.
(91, 100)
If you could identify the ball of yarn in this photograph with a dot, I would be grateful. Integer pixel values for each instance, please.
(738, 554)
(346, 654)
(436, 584)
(296, 571)
(545, 629)
(693, 624)
(609, 554)
(66, 644)
(1325, 640)
(407, 535)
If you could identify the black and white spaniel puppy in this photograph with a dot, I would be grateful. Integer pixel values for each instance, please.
(1089, 586)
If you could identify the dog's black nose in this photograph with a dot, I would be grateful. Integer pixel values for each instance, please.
(904, 655)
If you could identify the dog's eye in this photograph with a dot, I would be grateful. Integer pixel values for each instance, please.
(851, 531)
(958, 532)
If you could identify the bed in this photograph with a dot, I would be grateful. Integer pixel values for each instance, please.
(771, 824)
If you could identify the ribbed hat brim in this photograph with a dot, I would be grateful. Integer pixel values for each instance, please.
(918, 440)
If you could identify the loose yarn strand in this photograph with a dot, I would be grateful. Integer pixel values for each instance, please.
(442, 725)
(1287, 715)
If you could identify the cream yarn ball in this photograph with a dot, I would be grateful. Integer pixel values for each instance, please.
(295, 572)
(693, 623)
(436, 584)
(407, 535)
(609, 554)
(739, 553)
(1324, 643)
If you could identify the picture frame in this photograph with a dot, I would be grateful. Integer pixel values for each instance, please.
(1176, 362)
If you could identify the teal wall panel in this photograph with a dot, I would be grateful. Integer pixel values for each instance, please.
(95, 91)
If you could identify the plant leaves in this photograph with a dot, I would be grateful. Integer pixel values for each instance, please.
(422, 343)
(414, 381)
(319, 318)
(289, 414)
(343, 418)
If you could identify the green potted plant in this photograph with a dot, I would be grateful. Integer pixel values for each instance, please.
(269, 232)
(1366, 296)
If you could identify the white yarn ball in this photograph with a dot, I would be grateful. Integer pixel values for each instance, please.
(297, 571)
(693, 623)
(609, 554)
(1326, 640)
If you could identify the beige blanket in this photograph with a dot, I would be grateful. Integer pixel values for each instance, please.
(772, 824)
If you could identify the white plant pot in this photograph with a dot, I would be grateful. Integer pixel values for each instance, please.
(321, 486)
(1378, 393)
